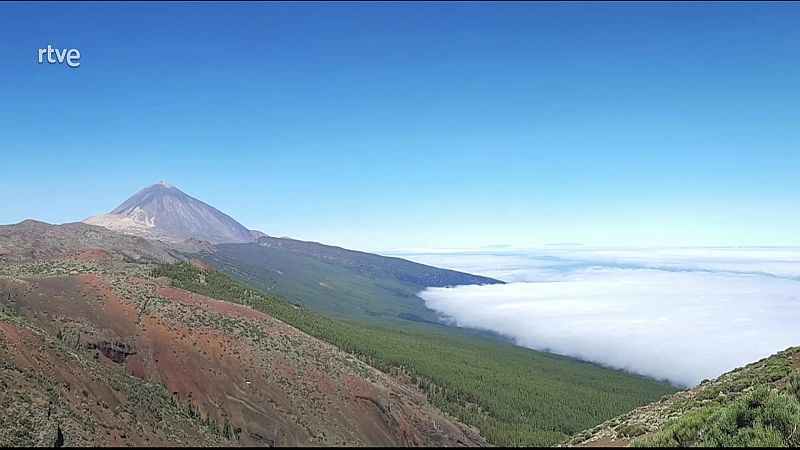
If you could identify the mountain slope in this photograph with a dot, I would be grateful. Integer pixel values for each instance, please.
(251, 379)
(375, 266)
(756, 405)
(95, 290)
(165, 212)
(51, 392)
(513, 395)
(337, 281)
(331, 279)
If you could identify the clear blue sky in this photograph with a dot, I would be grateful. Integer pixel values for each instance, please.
(415, 125)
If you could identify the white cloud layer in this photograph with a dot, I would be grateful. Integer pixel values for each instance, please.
(678, 314)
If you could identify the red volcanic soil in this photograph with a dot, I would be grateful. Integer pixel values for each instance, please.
(47, 392)
(210, 304)
(200, 264)
(92, 255)
(270, 383)
(119, 316)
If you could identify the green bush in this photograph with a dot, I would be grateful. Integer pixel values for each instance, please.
(761, 418)
(631, 430)
(686, 431)
(794, 384)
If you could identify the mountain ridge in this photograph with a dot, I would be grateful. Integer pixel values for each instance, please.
(35, 240)
(365, 262)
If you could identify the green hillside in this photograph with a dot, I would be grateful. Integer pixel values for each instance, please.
(335, 281)
(753, 406)
(514, 396)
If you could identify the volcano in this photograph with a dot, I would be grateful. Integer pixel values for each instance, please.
(164, 212)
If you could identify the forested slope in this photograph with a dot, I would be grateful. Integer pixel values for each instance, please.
(515, 396)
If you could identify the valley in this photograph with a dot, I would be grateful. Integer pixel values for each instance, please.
(514, 396)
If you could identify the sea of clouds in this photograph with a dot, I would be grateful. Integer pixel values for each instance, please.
(681, 314)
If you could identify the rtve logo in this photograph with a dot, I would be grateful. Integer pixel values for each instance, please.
(71, 56)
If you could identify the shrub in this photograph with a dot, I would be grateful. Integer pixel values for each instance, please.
(685, 431)
(631, 430)
(761, 418)
(794, 385)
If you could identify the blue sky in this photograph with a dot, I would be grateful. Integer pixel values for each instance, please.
(376, 125)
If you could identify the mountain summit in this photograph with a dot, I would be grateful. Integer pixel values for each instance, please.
(163, 211)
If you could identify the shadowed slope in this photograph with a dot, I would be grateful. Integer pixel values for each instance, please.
(345, 283)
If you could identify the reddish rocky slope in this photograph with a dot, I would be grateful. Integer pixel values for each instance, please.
(89, 323)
